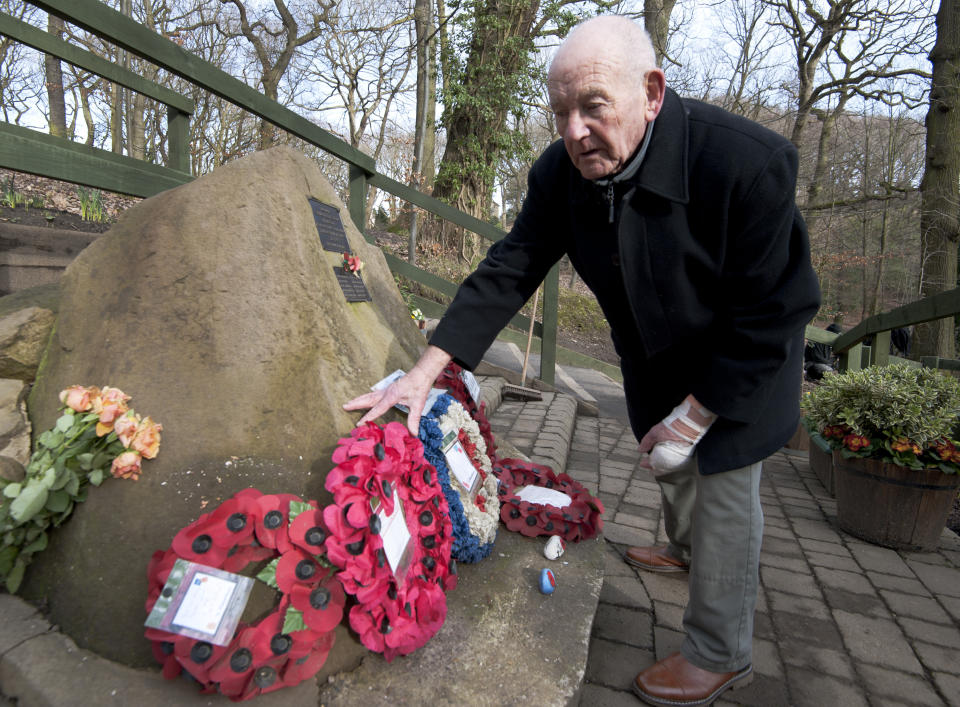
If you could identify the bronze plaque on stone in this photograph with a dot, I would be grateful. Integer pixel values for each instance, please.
(329, 226)
(353, 288)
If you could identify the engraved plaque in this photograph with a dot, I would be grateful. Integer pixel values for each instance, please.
(329, 227)
(353, 288)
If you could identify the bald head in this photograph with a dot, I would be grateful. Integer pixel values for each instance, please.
(604, 89)
(616, 37)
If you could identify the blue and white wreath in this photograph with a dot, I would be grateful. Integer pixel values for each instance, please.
(474, 524)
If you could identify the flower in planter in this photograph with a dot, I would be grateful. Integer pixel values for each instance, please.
(901, 414)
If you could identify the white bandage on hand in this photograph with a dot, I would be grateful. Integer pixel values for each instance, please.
(670, 455)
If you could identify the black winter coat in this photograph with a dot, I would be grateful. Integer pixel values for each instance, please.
(703, 273)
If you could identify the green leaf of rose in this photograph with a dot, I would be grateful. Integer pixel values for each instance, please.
(57, 501)
(29, 502)
(8, 555)
(293, 621)
(73, 485)
(11, 490)
(65, 422)
(296, 508)
(48, 477)
(268, 575)
(86, 461)
(95, 477)
(16, 576)
(38, 545)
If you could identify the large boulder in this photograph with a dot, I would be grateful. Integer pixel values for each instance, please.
(215, 307)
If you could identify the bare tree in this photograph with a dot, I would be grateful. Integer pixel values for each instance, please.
(938, 219)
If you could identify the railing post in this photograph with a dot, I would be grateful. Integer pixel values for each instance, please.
(880, 351)
(358, 199)
(178, 140)
(548, 342)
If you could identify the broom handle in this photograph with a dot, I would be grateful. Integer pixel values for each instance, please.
(526, 356)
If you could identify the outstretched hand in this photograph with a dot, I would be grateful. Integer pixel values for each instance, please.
(410, 390)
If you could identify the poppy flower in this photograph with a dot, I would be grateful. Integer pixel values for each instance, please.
(321, 604)
(297, 567)
(309, 663)
(272, 520)
(158, 570)
(197, 657)
(236, 667)
(308, 531)
(234, 521)
(162, 645)
(239, 556)
(195, 543)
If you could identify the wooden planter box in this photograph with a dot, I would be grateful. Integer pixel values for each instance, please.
(821, 462)
(892, 505)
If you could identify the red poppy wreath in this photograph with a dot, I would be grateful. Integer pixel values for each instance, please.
(293, 641)
(538, 501)
(390, 534)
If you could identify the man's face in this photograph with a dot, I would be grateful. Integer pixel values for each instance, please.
(600, 115)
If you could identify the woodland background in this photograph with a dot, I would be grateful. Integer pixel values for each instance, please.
(449, 96)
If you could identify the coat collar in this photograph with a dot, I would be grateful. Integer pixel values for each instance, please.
(664, 169)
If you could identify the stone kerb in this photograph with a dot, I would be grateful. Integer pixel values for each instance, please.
(214, 306)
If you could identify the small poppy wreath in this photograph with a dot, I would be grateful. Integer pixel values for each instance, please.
(289, 645)
(375, 466)
(451, 379)
(474, 520)
(579, 520)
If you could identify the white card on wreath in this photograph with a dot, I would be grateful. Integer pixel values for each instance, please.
(462, 468)
(473, 386)
(396, 539)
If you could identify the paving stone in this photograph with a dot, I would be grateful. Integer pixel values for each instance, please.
(666, 641)
(815, 531)
(614, 664)
(787, 492)
(781, 546)
(789, 582)
(856, 603)
(906, 585)
(601, 696)
(630, 626)
(940, 580)
(949, 684)
(641, 511)
(880, 559)
(668, 615)
(816, 689)
(819, 632)
(825, 547)
(763, 691)
(671, 588)
(937, 657)
(941, 634)
(636, 521)
(803, 654)
(841, 579)
(766, 660)
(915, 606)
(773, 522)
(615, 472)
(904, 688)
(625, 591)
(763, 626)
(837, 562)
(614, 566)
(784, 562)
(642, 498)
(611, 485)
(878, 641)
(625, 535)
(814, 513)
(952, 606)
(807, 606)
(774, 531)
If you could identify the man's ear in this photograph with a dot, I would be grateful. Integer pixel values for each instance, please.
(655, 86)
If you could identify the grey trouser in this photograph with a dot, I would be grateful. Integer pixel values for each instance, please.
(715, 523)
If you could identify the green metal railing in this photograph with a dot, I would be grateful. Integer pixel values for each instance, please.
(31, 151)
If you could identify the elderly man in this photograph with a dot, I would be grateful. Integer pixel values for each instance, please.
(681, 219)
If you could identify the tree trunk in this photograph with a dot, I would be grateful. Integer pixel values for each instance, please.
(939, 188)
(656, 20)
(54, 78)
(478, 105)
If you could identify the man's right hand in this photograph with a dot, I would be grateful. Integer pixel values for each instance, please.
(410, 390)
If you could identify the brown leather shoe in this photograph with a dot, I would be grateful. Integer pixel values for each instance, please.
(676, 682)
(654, 559)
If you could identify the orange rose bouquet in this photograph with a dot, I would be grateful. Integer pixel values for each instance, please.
(98, 433)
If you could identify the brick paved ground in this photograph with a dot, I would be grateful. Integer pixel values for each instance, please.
(839, 621)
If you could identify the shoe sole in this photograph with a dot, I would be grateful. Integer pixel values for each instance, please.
(741, 679)
(664, 569)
